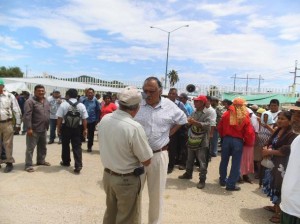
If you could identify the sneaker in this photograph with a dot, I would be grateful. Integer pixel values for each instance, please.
(9, 167)
(236, 188)
(59, 142)
(201, 185)
(51, 142)
(185, 176)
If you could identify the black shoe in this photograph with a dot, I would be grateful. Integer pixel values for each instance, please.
(64, 164)
(9, 167)
(89, 150)
(181, 167)
(59, 142)
(170, 170)
(236, 188)
(222, 184)
(201, 185)
(185, 176)
(50, 142)
(77, 170)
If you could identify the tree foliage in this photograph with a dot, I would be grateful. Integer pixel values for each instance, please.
(173, 77)
(11, 72)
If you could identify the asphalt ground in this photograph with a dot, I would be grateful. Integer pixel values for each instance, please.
(56, 195)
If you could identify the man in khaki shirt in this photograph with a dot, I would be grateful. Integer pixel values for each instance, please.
(124, 149)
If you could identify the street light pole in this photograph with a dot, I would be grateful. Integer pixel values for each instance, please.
(167, 60)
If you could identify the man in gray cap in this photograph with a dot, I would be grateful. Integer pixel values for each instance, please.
(124, 149)
(54, 101)
(9, 108)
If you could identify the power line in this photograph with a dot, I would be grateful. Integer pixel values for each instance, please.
(295, 76)
(247, 81)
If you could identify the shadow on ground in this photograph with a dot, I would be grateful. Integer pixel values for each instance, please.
(255, 216)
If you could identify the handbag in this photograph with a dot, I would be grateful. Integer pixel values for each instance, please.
(196, 136)
(268, 163)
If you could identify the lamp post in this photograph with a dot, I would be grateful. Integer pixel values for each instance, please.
(167, 60)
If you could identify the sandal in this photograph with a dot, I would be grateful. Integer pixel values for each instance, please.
(43, 164)
(275, 219)
(29, 169)
(269, 208)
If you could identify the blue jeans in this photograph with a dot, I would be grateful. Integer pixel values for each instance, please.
(53, 129)
(231, 147)
(214, 143)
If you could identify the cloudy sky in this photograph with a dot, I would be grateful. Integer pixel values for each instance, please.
(112, 39)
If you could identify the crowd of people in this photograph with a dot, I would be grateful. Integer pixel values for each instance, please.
(153, 135)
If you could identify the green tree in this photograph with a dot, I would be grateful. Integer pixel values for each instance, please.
(173, 77)
(11, 72)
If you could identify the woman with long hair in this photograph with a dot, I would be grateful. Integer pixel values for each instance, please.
(278, 150)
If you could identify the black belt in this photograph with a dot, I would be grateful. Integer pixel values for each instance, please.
(117, 174)
(162, 149)
(4, 121)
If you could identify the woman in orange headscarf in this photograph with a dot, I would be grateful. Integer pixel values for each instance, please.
(236, 130)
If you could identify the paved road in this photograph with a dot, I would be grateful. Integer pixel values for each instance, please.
(56, 195)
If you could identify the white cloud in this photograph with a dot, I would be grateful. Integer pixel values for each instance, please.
(232, 7)
(10, 42)
(41, 44)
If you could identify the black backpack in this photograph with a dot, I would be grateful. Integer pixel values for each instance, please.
(72, 117)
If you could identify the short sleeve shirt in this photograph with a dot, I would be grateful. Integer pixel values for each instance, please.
(123, 141)
(157, 121)
(64, 107)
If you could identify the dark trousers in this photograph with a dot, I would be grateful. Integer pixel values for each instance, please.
(183, 152)
(202, 156)
(71, 135)
(91, 132)
(173, 150)
(3, 154)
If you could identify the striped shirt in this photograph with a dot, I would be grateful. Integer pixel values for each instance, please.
(157, 121)
(8, 107)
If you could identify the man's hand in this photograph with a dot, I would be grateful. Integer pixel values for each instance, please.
(29, 132)
(85, 133)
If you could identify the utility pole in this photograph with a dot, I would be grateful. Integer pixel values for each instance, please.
(234, 82)
(26, 72)
(260, 78)
(247, 82)
(295, 76)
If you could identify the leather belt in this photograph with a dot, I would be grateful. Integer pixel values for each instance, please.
(4, 121)
(162, 149)
(117, 174)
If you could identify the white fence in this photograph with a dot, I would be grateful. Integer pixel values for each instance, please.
(114, 86)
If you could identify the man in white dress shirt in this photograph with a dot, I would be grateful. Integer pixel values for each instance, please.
(160, 118)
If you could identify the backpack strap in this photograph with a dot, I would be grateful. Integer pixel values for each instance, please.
(72, 104)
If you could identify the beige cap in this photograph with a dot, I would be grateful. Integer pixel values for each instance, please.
(129, 96)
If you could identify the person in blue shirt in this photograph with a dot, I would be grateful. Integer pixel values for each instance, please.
(93, 109)
(183, 97)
